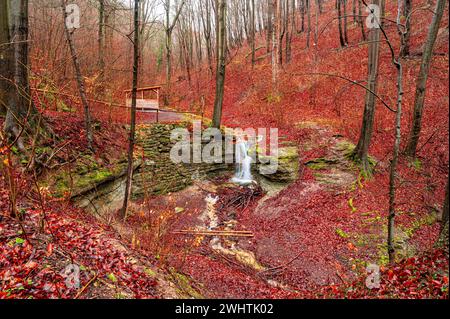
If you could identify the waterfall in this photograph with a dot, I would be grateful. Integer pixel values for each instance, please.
(243, 175)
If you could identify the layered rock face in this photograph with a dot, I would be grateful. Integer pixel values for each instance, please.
(156, 173)
(281, 168)
(159, 174)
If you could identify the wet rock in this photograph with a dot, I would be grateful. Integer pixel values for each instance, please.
(282, 168)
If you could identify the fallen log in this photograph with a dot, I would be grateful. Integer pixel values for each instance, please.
(225, 233)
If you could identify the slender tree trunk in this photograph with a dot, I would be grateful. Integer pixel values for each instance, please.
(406, 13)
(443, 236)
(308, 31)
(101, 48)
(316, 28)
(422, 79)
(281, 30)
(253, 35)
(169, 30)
(80, 80)
(354, 11)
(302, 15)
(206, 21)
(276, 63)
(394, 163)
(168, 66)
(221, 61)
(344, 2)
(124, 210)
(361, 21)
(341, 33)
(270, 18)
(362, 148)
(287, 25)
(291, 28)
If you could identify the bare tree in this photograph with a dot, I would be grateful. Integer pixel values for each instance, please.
(344, 3)
(290, 28)
(422, 79)
(341, 22)
(302, 15)
(124, 210)
(169, 26)
(101, 47)
(407, 13)
(443, 236)
(362, 148)
(308, 13)
(360, 20)
(205, 13)
(79, 78)
(221, 48)
(276, 44)
(253, 31)
(270, 18)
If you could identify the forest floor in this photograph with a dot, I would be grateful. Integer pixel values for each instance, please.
(311, 239)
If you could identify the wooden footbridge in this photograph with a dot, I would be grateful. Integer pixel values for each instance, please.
(147, 106)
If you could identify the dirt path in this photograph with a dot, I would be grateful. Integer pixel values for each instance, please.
(163, 116)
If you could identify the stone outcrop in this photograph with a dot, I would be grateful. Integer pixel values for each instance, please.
(155, 173)
(158, 174)
(287, 167)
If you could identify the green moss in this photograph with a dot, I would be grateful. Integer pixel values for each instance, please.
(149, 272)
(184, 283)
(350, 204)
(417, 164)
(320, 163)
(274, 98)
(348, 148)
(86, 173)
(419, 223)
(383, 256)
(342, 233)
(345, 147)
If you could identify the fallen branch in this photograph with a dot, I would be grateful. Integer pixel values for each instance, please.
(85, 286)
(227, 233)
(281, 266)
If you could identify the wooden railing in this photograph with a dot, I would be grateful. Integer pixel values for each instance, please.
(115, 112)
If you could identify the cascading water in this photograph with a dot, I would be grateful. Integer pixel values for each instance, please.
(243, 174)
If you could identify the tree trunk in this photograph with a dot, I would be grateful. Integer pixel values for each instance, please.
(362, 148)
(360, 20)
(344, 2)
(101, 49)
(169, 30)
(354, 11)
(308, 13)
(270, 18)
(168, 64)
(276, 45)
(124, 210)
(316, 28)
(414, 134)
(443, 236)
(206, 22)
(253, 35)
(221, 61)
(394, 163)
(407, 14)
(302, 14)
(80, 80)
(341, 33)
(15, 97)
